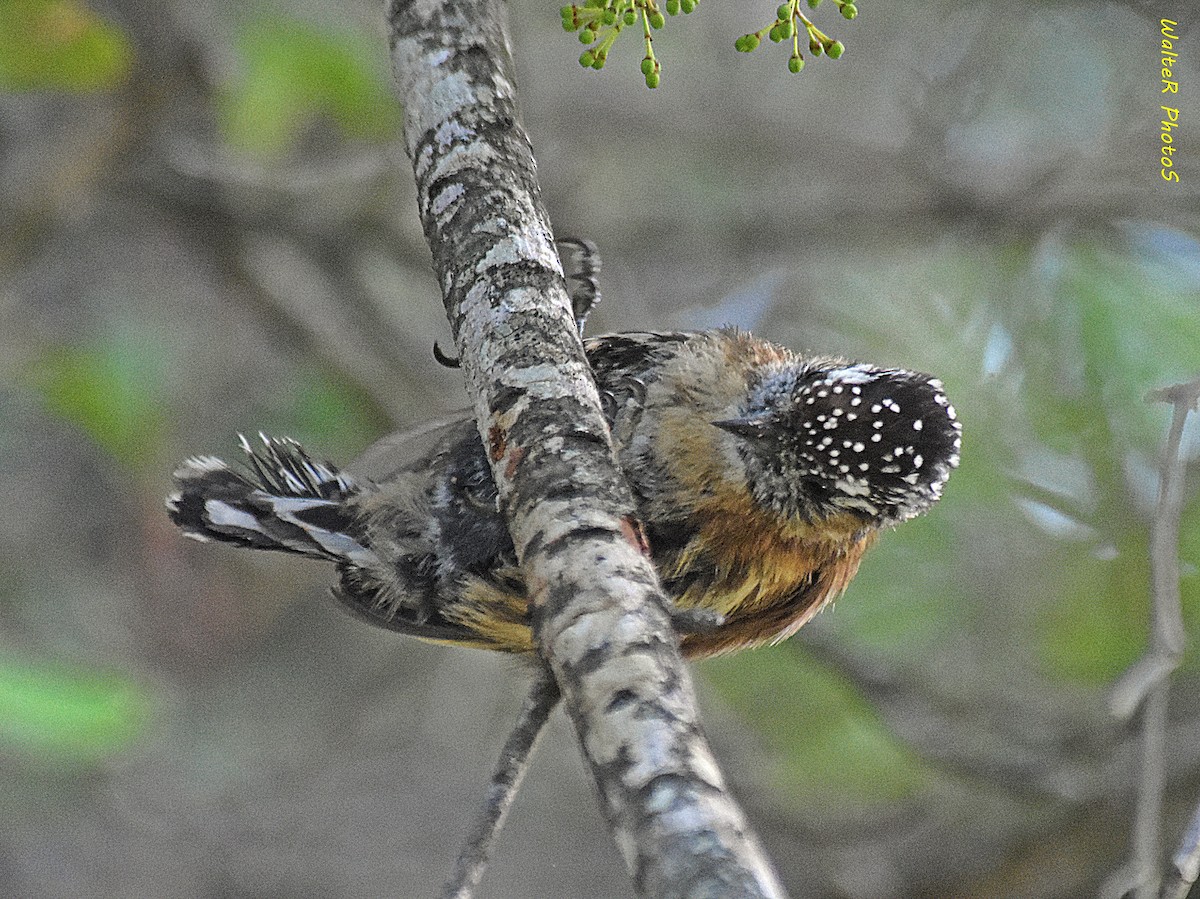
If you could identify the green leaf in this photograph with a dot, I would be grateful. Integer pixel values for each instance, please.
(59, 45)
(1110, 330)
(294, 74)
(1097, 617)
(1189, 581)
(830, 743)
(1113, 325)
(330, 415)
(112, 388)
(905, 600)
(70, 715)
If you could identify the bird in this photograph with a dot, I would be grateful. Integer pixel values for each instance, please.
(761, 476)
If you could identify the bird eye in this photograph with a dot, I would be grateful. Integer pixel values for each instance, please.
(818, 491)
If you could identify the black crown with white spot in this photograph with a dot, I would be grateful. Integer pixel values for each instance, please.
(879, 443)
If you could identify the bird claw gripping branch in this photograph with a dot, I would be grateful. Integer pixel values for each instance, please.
(761, 477)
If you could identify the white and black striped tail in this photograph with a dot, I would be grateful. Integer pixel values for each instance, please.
(282, 500)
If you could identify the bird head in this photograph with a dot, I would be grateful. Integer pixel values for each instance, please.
(830, 437)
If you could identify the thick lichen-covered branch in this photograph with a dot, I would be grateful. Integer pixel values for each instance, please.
(600, 619)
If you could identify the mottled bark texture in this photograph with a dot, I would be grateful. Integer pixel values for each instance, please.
(600, 619)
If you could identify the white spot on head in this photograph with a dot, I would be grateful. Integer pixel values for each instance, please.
(853, 374)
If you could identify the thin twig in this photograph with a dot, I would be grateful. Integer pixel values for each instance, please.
(1167, 636)
(1146, 683)
(506, 782)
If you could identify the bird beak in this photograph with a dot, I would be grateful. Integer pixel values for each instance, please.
(748, 428)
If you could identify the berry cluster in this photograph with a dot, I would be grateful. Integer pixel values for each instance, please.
(788, 24)
(599, 22)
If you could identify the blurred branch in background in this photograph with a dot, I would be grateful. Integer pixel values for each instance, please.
(1146, 684)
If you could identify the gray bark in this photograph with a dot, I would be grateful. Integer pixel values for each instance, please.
(600, 619)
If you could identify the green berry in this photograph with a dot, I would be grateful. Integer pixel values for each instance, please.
(815, 46)
(630, 17)
(687, 6)
(608, 17)
(672, 7)
(795, 64)
(784, 11)
(657, 20)
(774, 34)
(835, 49)
(652, 80)
(747, 43)
(599, 63)
(813, 4)
(849, 10)
(587, 36)
(647, 66)
(586, 58)
(786, 29)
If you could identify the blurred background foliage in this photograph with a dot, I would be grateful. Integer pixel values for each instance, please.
(208, 227)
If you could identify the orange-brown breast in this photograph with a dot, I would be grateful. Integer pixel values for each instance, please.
(768, 574)
(768, 577)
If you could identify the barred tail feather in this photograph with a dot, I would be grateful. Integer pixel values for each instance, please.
(282, 500)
